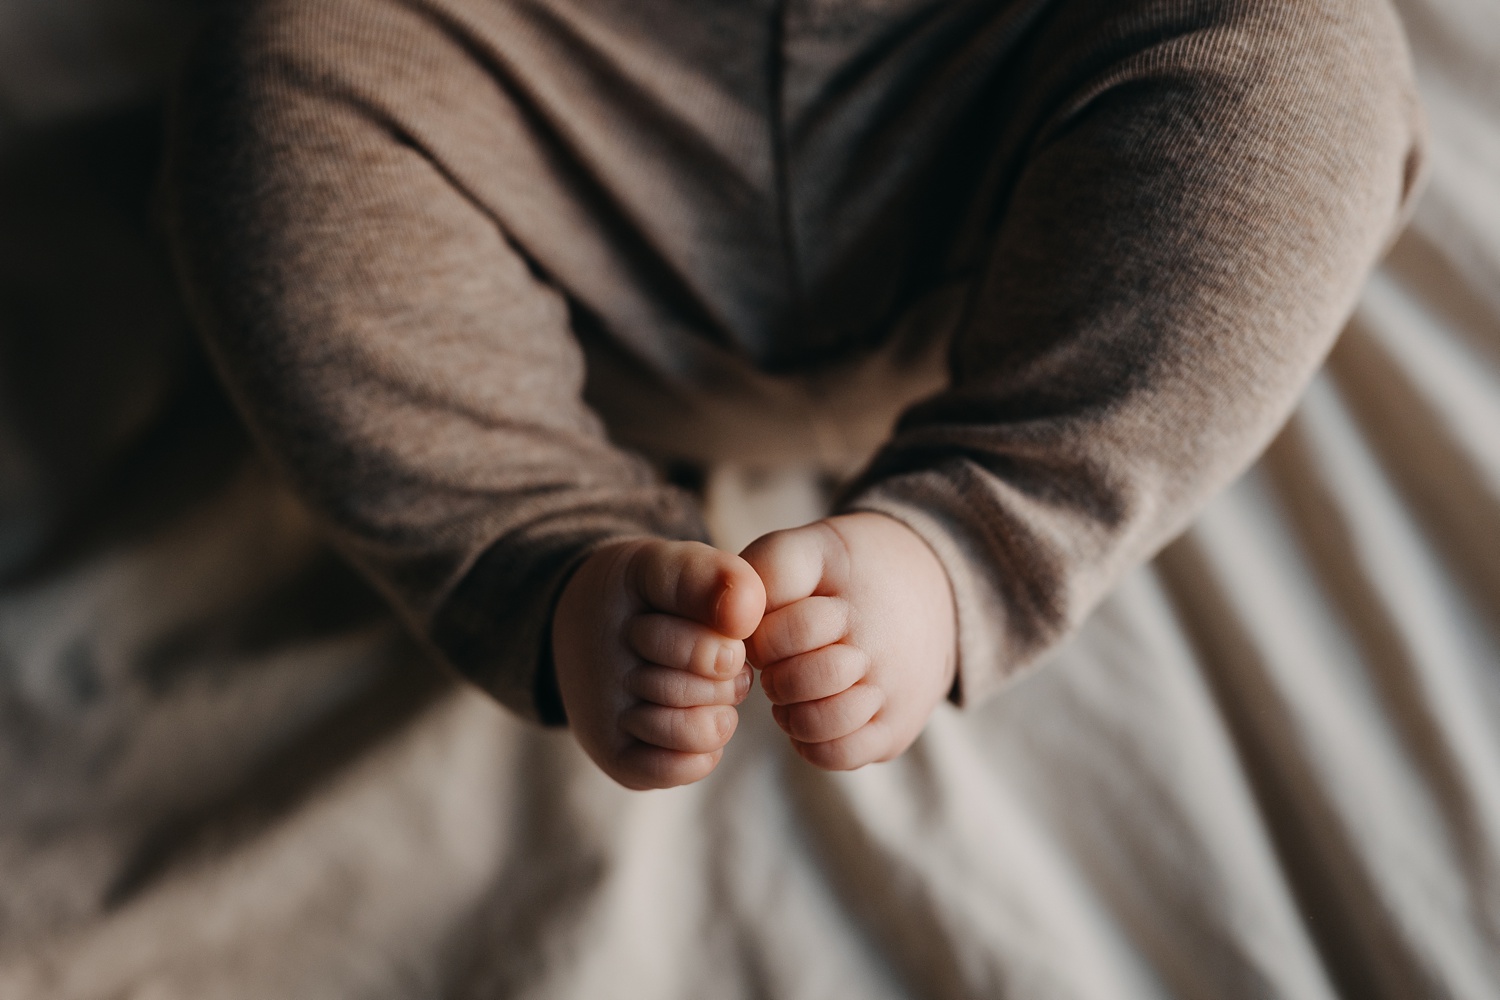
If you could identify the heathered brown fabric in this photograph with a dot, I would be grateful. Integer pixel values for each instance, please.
(444, 250)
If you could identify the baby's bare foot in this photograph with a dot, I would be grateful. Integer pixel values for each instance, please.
(858, 644)
(650, 659)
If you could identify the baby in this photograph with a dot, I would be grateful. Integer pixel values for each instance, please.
(850, 620)
(473, 269)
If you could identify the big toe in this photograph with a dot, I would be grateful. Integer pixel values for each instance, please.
(700, 582)
(740, 601)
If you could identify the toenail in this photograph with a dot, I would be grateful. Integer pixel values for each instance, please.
(724, 660)
(721, 602)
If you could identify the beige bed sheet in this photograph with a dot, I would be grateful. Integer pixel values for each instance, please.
(1269, 766)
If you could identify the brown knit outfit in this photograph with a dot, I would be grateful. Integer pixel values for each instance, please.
(463, 261)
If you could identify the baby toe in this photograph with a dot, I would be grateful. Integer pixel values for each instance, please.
(672, 641)
(868, 745)
(800, 627)
(822, 673)
(829, 718)
(702, 729)
(697, 581)
(644, 767)
(676, 688)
